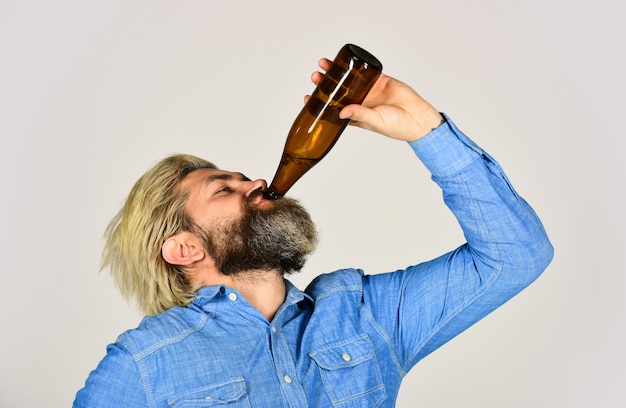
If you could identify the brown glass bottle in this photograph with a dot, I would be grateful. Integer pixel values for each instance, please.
(318, 126)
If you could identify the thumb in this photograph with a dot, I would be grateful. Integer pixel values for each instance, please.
(361, 116)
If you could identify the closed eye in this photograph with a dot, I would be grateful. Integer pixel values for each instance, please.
(219, 183)
(225, 189)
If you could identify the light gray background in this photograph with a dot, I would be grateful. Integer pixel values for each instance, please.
(92, 93)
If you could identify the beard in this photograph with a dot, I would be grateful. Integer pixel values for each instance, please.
(279, 237)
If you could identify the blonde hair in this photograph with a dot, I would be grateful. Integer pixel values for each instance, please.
(152, 212)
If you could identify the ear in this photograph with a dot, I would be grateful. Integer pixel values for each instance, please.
(182, 249)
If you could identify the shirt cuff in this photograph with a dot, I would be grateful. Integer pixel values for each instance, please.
(446, 150)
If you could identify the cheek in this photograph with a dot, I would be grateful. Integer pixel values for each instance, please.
(219, 217)
(209, 212)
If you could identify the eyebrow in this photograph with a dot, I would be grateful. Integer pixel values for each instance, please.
(224, 177)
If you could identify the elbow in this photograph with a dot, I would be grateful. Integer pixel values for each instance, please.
(533, 258)
(548, 255)
(542, 253)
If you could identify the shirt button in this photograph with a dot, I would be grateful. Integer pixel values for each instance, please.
(232, 296)
(346, 357)
(274, 329)
(287, 379)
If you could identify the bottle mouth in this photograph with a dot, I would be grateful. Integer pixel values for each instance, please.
(364, 56)
(270, 194)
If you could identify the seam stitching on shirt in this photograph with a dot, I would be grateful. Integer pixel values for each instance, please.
(172, 340)
(351, 288)
(143, 374)
(368, 315)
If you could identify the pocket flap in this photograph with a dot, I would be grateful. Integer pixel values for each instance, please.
(343, 355)
(223, 393)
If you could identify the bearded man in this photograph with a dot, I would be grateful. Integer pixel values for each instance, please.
(205, 255)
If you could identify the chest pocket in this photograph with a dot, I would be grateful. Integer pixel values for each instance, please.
(231, 394)
(350, 373)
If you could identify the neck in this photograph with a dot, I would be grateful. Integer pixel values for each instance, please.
(264, 290)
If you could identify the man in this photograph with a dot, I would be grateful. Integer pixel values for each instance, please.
(204, 253)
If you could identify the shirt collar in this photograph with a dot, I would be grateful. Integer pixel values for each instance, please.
(295, 295)
(209, 295)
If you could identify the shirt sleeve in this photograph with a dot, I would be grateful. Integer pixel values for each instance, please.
(114, 383)
(424, 306)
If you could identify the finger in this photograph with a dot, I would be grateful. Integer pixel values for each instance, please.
(324, 63)
(317, 77)
(350, 112)
(306, 98)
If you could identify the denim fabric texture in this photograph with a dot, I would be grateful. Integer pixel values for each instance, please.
(350, 337)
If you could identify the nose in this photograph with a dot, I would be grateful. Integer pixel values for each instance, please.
(253, 186)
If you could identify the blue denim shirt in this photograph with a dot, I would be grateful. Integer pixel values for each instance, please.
(349, 338)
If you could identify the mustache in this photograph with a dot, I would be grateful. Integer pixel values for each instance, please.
(275, 205)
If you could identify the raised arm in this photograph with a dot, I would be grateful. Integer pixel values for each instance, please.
(426, 305)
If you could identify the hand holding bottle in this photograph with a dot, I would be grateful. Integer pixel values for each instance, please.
(391, 108)
(317, 127)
